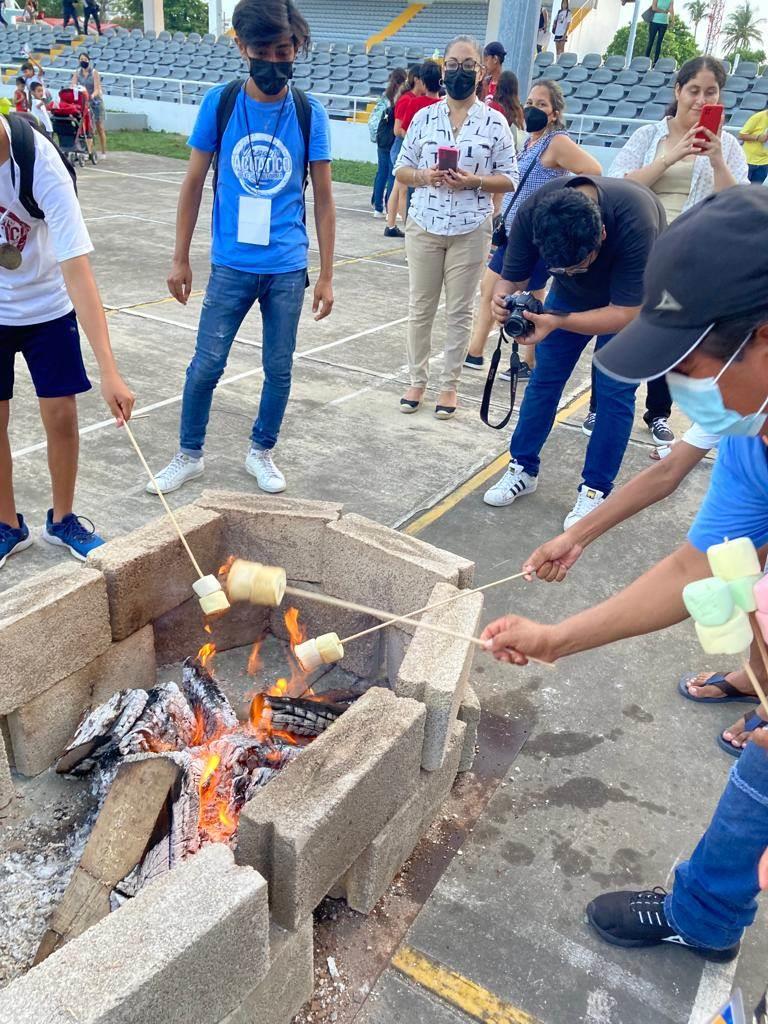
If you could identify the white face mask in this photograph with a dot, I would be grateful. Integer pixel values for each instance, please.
(702, 400)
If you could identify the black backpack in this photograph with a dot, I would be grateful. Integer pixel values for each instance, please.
(224, 111)
(385, 133)
(23, 153)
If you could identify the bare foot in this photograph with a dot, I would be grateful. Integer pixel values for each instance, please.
(737, 734)
(414, 394)
(697, 687)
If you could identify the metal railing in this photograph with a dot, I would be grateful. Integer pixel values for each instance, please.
(598, 119)
(359, 103)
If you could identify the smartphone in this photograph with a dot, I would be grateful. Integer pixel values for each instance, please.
(447, 158)
(711, 115)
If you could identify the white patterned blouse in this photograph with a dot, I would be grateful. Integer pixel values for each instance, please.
(640, 151)
(486, 147)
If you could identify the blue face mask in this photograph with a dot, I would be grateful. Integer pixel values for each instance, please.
(702, 401)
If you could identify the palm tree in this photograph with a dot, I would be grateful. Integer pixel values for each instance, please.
(698, 10)
(742, 29)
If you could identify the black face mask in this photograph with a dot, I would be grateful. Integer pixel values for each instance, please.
(535, 119)
(84, 63)
(271, 76)
(460, 84)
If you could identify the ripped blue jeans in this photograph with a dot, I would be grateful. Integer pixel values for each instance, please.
(714, 897)
(229, 297)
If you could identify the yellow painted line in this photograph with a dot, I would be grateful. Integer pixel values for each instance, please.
(483, 476)
(395, 25)
(458, 991)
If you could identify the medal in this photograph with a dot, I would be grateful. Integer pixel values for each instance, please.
(10, 256)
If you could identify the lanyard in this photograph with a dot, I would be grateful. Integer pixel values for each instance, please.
(271, 141)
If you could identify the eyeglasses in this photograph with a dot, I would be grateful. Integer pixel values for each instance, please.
(580, 268)
(466, 65)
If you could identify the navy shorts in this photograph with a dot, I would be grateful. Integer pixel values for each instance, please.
(539, 277)
(52, 352)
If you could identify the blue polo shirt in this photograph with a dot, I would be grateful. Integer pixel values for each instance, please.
(248, 166)
(736, 504)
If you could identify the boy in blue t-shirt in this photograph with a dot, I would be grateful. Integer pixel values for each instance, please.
(259, 246)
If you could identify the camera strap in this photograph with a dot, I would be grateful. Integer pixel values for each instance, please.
(514, 367)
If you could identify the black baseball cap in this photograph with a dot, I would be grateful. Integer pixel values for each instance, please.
(495, 49)
(711, 264)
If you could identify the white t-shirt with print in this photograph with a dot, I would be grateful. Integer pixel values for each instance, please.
(40, 111)
(35, 292)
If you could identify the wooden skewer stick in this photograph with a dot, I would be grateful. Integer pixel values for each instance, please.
(335, 602)
(748, 668)
(439, 604)
(161, 496)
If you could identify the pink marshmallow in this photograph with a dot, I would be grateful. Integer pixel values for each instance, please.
(762, 621)
(761, 594)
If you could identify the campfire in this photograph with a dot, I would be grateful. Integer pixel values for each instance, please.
(221, 762)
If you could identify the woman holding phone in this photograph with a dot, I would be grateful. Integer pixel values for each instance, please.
(457, 154)
(683, 163)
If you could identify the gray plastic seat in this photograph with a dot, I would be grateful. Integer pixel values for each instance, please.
(378, 50)
(591, 61)
(395, 50)
(639, 94)
(603, 76)
(414, 53)
(339, 60)
(625, 109)
(568, 60)
(586, 91)
(665, 65)
(627, 78)
(612, 94)
(735, 83)
(729, 100)
(760, 85)
(739, 118)
(610, 128)
(747, 69)
(379, 76)
(665, 96)
(319, 59)
(339, 88)
(653, 79)
(358, 75)
(151, 94)
(357, 48)
(593, 140)
(543, 60)
(553, 72)
(753, 101)
(566, 87)
(577, 74)
(641, 64)
(618, 143)
(598, 108)
(179, 37)
(299, 71)
(359, 60)
(652, 111)
(377, 61)
(362, 88)
(615, 63)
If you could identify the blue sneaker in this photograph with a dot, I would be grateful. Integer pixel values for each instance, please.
(73, 534)
(13, 540)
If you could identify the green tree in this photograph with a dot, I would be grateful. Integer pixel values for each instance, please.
(678, 42)
(742, 29)
(698, 10)
(180, 15)
(758, 56)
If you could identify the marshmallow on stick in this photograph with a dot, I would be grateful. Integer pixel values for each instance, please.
(322, 650)
(719, 605)
(733, 559)
(259, 584)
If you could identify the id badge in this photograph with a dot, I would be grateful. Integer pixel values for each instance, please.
(253, 220)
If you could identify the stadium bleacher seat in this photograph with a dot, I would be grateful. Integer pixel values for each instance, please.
(641, 64)
(760, 85)
(746, 69)
(568, 60)
(653, 79)
(602, 76)
(666, 95)
(739, 118)
(615, 63)
(735, 83)
(591, 61)
(729, 100)
(666, 65)
(543, 60)
(652, 111)
(554, 71)
(612, 93)
(577, 74)
(639, 94)
(586, 91)
(566, 87)
(627, 78)
(753, 102)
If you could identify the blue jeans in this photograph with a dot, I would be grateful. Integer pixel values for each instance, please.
(384, 183)
(228, 298)
(713, 899)
(556, 358)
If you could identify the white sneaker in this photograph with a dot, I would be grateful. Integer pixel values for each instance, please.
(514, 483)
(587, 501)
(180, 469)
(378, 215)
(269, 478)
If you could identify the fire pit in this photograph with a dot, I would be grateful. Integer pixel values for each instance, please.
(250, 807)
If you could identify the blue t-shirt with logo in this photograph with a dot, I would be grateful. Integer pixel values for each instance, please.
(248, 167)
(736, 504)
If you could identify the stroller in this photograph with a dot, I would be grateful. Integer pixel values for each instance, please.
(73, 126)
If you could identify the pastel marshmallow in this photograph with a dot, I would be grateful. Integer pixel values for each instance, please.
(206, 585)
(709, 601)
(734, 637)
(214, 604)
(257, 583)
(733, 559)
(762, 622)
(761, 594)
(743, 592)
(322, 650)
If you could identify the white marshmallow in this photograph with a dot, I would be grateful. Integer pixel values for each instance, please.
(257, 583)
(322, 650)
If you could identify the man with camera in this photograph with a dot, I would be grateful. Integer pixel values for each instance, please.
(594, 236)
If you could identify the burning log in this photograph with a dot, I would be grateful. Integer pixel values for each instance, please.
(304, 717)
(211, 708)
(100, 732)
(166, 723)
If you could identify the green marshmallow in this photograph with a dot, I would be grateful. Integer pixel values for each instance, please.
(742, 592)
(709, 602)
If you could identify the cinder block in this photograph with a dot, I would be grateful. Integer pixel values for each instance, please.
(362, 657)
(148, 572)
(436, 668)
(42, 727)
(179, 633)
(186, 950)
(310, 824)
(7, 792)
(50, 626)
(371, 874)
(469, 712)
(275, 530)
(289, 982)
(371, 564)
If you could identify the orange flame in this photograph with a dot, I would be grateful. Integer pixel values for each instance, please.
(206, 653)
(279, 689)
(209, 769)
(224, 569)
(296, 632)
(207, 628)
(226, 819)
(254, 659)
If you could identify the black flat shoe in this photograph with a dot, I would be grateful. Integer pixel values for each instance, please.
(445, 412)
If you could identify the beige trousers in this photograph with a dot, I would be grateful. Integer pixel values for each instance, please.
(457, 262)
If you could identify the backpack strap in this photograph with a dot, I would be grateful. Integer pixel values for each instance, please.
(226, 106)
(23, 155)
(304, 115)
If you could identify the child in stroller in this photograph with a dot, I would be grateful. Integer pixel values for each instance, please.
(73, 125)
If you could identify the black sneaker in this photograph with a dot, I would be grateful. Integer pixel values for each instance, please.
(589, 423)
(632, 919)
(523, 372)
(660, 431)
(394, 232)
(474, 362)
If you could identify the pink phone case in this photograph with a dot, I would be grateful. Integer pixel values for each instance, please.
(447, 158)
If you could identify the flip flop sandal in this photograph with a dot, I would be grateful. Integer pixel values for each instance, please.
(730, 694)
(752, 721)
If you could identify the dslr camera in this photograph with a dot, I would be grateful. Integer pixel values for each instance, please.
(517, 326)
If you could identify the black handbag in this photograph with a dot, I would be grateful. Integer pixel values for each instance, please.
(647, 16)
(499, 236)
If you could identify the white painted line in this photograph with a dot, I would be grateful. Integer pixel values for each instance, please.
(103, 424)
(714, 988)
